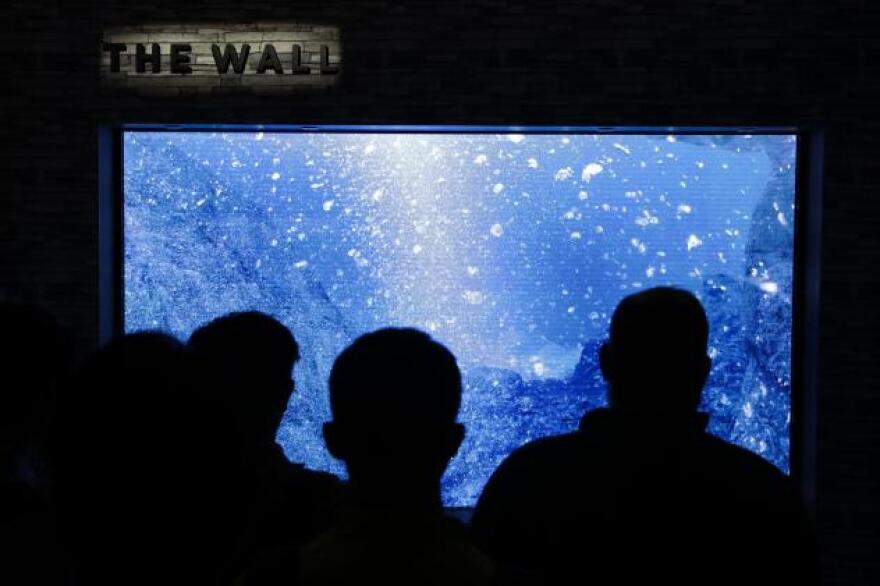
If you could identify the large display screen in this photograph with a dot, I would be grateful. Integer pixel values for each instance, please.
(511, 248)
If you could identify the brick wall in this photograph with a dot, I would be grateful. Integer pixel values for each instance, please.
(602, 62)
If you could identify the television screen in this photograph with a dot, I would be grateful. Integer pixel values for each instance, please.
(511, 248)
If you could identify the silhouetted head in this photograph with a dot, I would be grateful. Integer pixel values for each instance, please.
(395, 395)
(34, 355)
(143, 464)
(655, 357)
(252, 355)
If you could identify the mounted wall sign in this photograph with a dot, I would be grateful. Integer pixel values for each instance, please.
(217, 59)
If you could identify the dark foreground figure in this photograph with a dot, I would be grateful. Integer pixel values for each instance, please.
(147, 481)
(641, 494)
(394, 395)
(34, 356)
(251, 357)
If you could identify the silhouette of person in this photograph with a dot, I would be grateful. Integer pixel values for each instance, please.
(394, 396)
(145, 467)
(34, 356)
(641, 493)
(252, 356)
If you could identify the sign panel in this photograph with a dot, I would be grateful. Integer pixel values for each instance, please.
(220, 58)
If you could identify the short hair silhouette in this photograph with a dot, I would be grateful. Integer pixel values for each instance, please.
(655, 356)
(253, 354)
(395, 395)
(395, 372)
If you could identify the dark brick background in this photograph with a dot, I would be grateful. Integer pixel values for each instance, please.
(599, 62)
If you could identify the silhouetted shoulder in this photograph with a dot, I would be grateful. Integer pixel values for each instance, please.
(753, 476)
(544, 450)
(745, 457)
(518, 496)
(742, 460)
(535, 460)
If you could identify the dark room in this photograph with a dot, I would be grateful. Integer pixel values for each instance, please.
(439, 292)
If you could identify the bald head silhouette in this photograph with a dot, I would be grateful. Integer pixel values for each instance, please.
(655, 357)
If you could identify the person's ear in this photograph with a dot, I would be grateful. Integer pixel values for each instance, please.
(333, 440)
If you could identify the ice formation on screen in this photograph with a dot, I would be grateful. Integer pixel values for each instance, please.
(511, 249)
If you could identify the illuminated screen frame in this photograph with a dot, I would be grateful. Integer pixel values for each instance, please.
(806, 263)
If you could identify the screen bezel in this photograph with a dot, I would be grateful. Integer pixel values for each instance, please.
(806, 261)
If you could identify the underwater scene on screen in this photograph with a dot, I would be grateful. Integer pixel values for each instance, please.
(511, 249)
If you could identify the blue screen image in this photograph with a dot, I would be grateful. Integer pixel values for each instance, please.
(511, 249)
